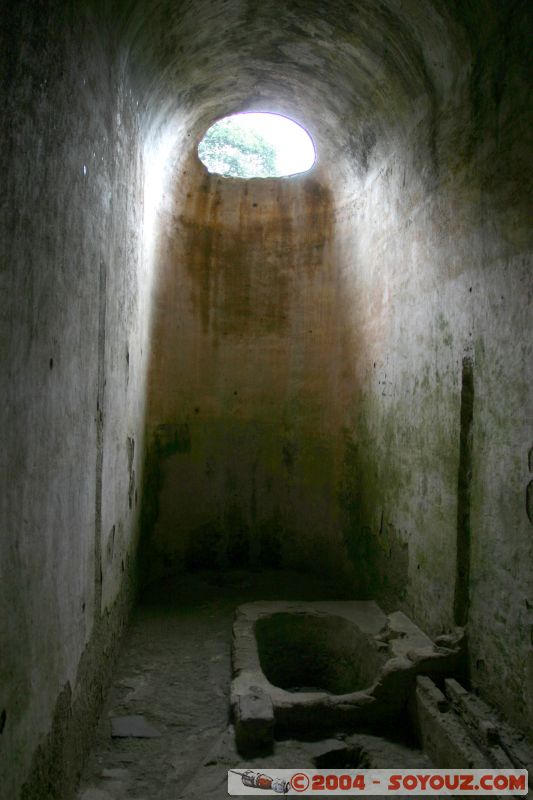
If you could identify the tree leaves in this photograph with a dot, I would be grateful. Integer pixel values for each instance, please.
(235, 151)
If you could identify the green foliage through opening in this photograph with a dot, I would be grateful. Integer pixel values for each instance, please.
(235, 151)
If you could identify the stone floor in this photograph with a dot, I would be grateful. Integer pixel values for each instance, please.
(175, 671)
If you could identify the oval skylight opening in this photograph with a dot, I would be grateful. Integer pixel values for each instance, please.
(256, 145)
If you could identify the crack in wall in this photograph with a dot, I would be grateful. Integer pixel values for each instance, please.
(102, 300)
(464, 488)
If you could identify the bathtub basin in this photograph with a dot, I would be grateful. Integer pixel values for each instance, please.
(310, 669)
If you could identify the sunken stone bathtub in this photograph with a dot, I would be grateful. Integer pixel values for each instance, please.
(308, 670)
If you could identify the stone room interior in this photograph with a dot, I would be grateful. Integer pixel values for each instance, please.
(267, 455)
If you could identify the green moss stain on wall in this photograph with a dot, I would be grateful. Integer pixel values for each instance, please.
(378, 552)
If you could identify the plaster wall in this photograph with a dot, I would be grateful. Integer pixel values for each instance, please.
(246, 376)
(437, 251)
(73, 331)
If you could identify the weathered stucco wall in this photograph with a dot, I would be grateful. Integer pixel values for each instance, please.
(247, 372)
(73, 330)
(436, 458)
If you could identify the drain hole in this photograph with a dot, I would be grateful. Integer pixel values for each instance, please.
(342, 758)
